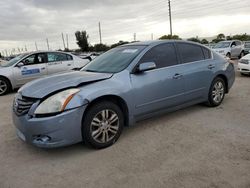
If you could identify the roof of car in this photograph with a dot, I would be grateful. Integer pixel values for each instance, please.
(155, 42)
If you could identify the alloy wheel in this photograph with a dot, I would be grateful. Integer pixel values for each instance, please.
(3, 87)
(218, 92)
(104, 126)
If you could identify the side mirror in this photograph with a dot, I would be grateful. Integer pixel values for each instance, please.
(233, 46)
(20, 64)
(146, 66)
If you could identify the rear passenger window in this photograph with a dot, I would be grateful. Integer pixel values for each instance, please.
(163, 55)
(207, 53)
(190, 52)
(52, 57)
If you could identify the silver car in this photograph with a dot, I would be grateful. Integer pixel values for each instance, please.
(30, 66)
(230, 48)
(122, 86)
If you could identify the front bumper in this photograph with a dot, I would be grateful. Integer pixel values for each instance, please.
(244, 68)
(51, 132)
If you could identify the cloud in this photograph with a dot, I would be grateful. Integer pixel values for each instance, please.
(24, 22)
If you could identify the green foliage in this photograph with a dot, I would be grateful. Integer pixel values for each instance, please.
(194, 39)
(100, 48)
(82, 40)
(119, 44)
(221, 36)
(168, 37)
(204, 41)
(243, 37)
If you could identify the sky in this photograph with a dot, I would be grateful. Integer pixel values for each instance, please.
(26, 22)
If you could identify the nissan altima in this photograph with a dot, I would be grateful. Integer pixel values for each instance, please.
(122, 86)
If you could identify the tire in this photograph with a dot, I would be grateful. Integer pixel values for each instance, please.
(4, 86)
(241, 55)
(216, 92)
(228, 55)
(102, 125)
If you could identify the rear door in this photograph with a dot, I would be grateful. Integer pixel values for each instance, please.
(197, 67)
(59, 62)
(162, 87)
(34, 67)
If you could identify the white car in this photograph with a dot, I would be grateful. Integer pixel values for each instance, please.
(230, 48)
(30, 66)
(244, 65)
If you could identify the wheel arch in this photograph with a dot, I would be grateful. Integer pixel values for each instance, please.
(115, 99)
(9, 82)
(225, 80)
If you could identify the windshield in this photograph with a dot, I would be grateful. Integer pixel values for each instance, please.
(222, 45)
(114, 60)
(247, 45)
(13, 61)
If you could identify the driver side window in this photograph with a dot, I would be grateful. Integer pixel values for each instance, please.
(34, 59)
(29, 60)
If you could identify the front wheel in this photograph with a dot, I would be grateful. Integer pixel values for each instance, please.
(102, 125)
(216, 92)
(4, 86)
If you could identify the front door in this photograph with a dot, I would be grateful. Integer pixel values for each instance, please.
(34, 66)
(162, 87)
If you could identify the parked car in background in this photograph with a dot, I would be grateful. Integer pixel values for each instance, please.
(244, 65)
(122, 86)
(30, 66)
(230, 48)
(246, 47)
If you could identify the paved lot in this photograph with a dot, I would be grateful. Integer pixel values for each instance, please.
(194, 147)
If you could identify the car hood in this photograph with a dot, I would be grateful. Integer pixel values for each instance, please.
(45, 86)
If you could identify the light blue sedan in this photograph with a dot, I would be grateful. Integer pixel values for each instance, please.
(124, 85)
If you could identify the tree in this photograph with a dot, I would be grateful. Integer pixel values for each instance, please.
(82, 40)
(243, 37)
(118, 44)
(101, 47)
(204, 41)
(221, 36)
(168, 37)
(194, 39)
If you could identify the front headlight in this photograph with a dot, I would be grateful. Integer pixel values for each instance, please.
(56, 103)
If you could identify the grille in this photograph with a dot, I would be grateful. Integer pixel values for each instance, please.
(22, 105)
(244, 61)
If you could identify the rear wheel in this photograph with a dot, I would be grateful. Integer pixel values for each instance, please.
(102, 125)
(241, 55)
(4, 86)
(216, 92)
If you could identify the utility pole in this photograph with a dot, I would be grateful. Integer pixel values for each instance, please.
(67, 39)
(63, 41)
(134, 36)
(100, 32)
(152, 36)
(47, 43)
(36, 46)
(170, 16)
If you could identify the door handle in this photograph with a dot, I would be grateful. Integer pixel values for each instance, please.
(69, 64)
(177, 76)
(43, 68)
(211, 66)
